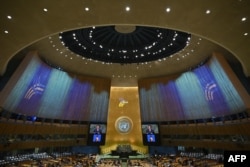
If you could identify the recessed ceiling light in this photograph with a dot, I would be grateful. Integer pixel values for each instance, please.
(208, 11)
(245, 33)
(86, 9)
(168, 9)
(45, 10)
(6, 32)
(127, 8)
(243, 19)
(9, 17)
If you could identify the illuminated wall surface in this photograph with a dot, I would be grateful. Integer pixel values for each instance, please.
(36, 89)
(43, 91)
(204, 92)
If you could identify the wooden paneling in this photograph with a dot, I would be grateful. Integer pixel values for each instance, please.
(40, 144)
(23, 128)
(207, 144)
(174, 135)
(240, 128)
(12, 128)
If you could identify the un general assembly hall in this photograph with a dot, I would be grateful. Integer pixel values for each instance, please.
(161, 83)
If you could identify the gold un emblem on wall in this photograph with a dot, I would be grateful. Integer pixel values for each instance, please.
(124, 124)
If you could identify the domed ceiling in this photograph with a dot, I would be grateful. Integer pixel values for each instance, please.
(125, 41)
(124, 44)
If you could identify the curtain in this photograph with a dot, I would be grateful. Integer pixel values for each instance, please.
(46, 92)
(204, 92)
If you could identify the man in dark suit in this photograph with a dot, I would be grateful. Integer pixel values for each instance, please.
(97, 130)
(150, 130)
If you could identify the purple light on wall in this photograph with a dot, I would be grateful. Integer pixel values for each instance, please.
(170, 99)
(77, 102)
(211, 90)
(32, 96)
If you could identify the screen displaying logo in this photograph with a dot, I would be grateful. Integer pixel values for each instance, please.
(97, 138)
(151, 138)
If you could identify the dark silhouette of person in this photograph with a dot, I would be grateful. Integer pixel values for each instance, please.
(97, 130)
(150, 130)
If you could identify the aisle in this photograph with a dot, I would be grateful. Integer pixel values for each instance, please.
(124, 164)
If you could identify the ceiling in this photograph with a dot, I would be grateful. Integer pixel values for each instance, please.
(124, 44)
(215, 26)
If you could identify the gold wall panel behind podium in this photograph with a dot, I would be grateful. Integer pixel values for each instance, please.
(124, 120)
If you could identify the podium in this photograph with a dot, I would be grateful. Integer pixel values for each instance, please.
(124, 151)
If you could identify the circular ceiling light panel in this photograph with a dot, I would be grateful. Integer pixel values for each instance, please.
(125, 44)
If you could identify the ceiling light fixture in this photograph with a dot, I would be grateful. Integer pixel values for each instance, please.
(243, 19)
(208, 11)
(168, 9)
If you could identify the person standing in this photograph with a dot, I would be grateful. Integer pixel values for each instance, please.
(150, 130)
(97, 130)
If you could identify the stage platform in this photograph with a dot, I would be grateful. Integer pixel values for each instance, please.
(110, 156)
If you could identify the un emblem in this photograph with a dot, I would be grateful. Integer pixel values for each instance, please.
(123, 124)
